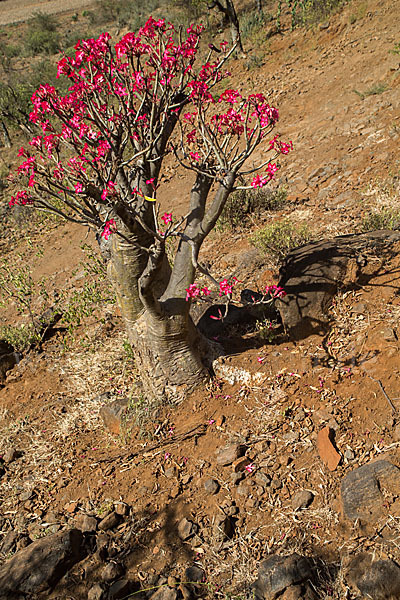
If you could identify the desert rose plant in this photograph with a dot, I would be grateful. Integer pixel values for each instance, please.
(98, 161)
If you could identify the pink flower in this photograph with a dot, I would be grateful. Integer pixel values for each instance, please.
(260, 359)
(259, 181)
(167, 218)
(249, 468)
(275, 291)
(167, 455)
(226, 288)
(192, 291)
(109, 228)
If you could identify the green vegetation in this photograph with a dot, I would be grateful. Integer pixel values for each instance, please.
(386, 218)
(42, 36)
(308, 12)
(245, 204)
(396, 49)
(376, 89)
(266, 330)
(83, 302)
(277, 239)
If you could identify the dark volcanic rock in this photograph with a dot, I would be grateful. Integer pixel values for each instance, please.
(311, 276)
(42, 564)
(379, 579)
(278, 573)
(361, 489)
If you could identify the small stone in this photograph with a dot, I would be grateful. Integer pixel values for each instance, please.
(122, 509)
(276, 484)
(85, 523)
(291, 437)
(359, 308)
(96, 592)
(327, 452)
(263, 478)
(302, 499)
(26, 495)
(243, 489)
(10, 455)
(195, 574)
(111, 571)
(223, 527)
(349, 454)
(211, 486)
(389, 335)
(226, 456)
(71, 507)
(186, 529)
(236, 478)
(113, 415)
(165, 593)
(170, 472)
(219, 421)
(119, 589)
(185, 591)
(110, 521)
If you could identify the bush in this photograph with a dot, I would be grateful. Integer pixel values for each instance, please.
(243, 204)
(308, 12)
(386, 218)
(277, 239)
(42, 36)
(20, 337)
(124, 12)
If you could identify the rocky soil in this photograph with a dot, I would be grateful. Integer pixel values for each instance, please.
(281, 478)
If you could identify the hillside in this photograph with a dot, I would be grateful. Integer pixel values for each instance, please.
(293, 449)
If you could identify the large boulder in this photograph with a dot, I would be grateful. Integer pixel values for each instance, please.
(41, 565)
(312, 274)
(377, 579)
(362, 490)
(279, 573)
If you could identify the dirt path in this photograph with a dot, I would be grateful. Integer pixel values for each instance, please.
(12, 11)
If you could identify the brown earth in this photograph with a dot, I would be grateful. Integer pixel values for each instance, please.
(281, 393)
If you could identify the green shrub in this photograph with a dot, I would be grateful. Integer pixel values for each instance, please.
(308, 12)
(20, 337)
(374, 90)
(277, 239)
(244, 204)
(386, 218)
(42, 36)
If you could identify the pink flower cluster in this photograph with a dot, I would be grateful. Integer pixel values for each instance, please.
(226, 287)
(261, 180)
(109, 228)
(21, 198)
(167, 218)
(275, 291)
(195, 292)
